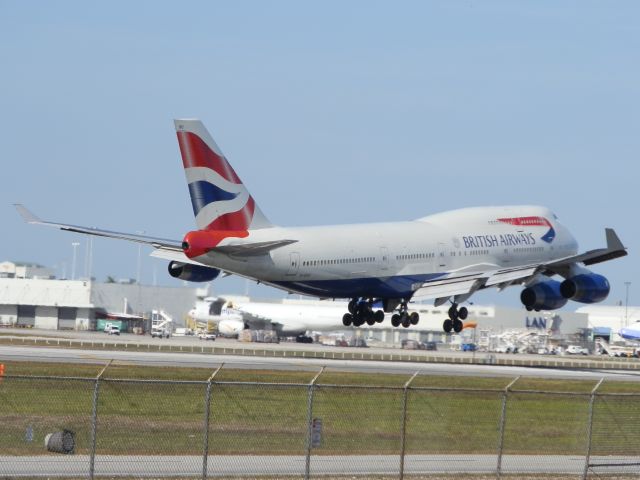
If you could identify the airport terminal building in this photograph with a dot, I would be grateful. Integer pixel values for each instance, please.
(78, 304)
(30, 296)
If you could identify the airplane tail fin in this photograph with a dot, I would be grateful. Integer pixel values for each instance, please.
(219, 198)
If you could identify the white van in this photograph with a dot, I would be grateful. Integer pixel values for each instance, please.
(576, 350)
(112, 330)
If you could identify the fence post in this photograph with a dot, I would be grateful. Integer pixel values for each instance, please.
(592, 402)
(94, 421)
(503, 421)
(207, 410)
(404, 423)
(311, 388)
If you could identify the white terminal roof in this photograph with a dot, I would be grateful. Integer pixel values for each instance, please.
(48, 293)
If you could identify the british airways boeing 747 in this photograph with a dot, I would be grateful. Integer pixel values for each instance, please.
(446, 256)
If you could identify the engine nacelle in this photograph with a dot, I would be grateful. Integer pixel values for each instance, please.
(543, 296)
(586, 288)
(192, 273)
(230, 328)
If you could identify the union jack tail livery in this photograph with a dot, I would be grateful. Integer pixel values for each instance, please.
(219, 198)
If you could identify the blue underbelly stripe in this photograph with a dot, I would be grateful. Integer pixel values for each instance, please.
(400, 286)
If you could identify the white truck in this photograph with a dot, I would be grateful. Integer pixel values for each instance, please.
(112, 330)
(160, 332)
(161, 324)
(576, 350)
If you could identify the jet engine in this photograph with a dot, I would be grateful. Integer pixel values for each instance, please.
(230, 328)
(543, 296)
(192, 273)
(585, 288)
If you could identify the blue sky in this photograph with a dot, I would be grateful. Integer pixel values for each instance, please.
(330, 112)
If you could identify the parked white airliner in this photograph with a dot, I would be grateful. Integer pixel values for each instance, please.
(287, 319)
(447, 256)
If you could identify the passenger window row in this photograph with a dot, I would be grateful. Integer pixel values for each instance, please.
(415, 256)
(337, 261)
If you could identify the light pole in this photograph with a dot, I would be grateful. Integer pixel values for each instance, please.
(73, 260)
(139, 266)
(626, 304)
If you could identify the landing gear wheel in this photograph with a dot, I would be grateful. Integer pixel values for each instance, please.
(463, 313)
(352, 306)
(414, 318)
(457, 326)
(406, 321)
(379, 316)
(370, 318)
(447, 325)
(395, 320)
(358, 321)
(347, 319)
(453, 312)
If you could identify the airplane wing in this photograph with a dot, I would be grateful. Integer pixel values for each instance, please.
(462, 284)
(165, 248)
(614, 249)
(161, 243)
(178, 256)
(253, 320)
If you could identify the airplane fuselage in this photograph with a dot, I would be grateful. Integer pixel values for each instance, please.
(388, 260)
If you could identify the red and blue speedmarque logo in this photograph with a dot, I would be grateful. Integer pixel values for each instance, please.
(533, 222)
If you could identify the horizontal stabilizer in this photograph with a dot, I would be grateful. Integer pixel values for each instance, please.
(252, 249)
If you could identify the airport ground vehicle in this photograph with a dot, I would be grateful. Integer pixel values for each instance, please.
(112, 330)
(409, 344)
(160, 332)
(207, 336)
(182, 332)
(576, 350)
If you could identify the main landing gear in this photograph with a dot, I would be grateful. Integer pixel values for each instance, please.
(404, 318)
(361, 312)
(454, 322)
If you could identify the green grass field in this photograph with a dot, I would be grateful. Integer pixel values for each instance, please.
(142, 417)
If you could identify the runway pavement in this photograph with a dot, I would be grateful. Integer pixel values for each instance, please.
(62, 355)
(261, 465)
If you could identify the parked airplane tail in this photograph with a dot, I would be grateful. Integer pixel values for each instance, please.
(219, 198)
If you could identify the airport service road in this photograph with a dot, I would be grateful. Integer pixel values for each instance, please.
(62, 355)
(257, 465)
(189, 341)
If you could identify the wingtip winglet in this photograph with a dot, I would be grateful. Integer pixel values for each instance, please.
(613, 241)
(26, 214)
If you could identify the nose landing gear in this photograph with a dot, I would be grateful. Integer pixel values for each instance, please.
(405, 318)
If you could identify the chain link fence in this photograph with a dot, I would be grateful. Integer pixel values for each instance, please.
(103, 428)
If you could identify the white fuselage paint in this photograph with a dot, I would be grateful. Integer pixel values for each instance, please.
(287, 319)
(385, 260)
